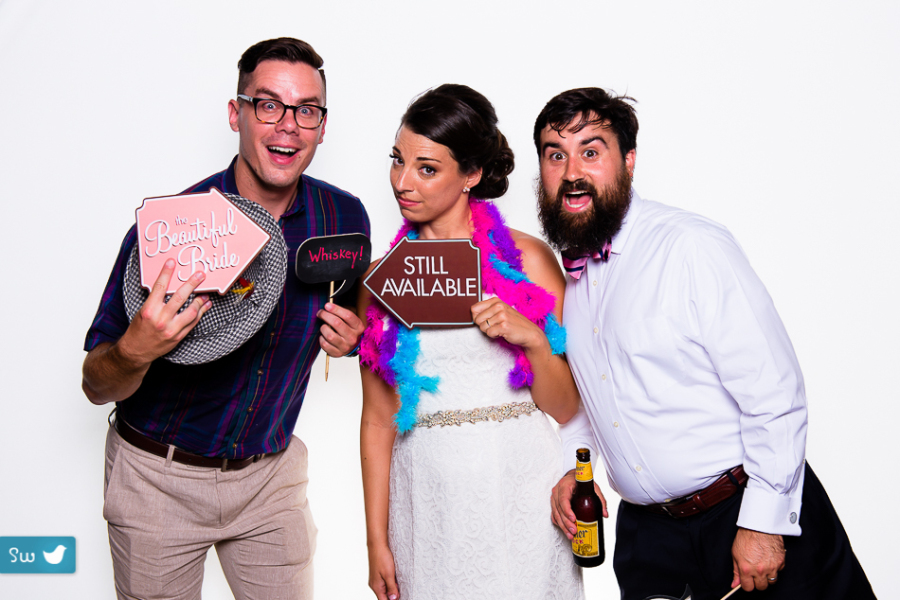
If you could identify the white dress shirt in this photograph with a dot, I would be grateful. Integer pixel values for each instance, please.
(685, 369)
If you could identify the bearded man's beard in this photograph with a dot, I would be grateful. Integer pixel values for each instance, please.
(585, 232)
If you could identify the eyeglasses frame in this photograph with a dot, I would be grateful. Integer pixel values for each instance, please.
(255, 102)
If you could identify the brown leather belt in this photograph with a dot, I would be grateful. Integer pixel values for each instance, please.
(139, 440)
(721, 489)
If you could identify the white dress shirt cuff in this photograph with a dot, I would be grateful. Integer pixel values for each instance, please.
(575, 434)
(768, 512)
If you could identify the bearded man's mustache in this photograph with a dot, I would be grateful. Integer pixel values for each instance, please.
(579, 185)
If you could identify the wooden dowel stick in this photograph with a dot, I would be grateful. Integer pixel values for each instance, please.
(330, 298)
(728, 595)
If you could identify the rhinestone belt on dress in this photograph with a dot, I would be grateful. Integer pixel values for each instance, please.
(487, 413)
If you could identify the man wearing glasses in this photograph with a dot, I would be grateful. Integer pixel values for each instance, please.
(203, 455)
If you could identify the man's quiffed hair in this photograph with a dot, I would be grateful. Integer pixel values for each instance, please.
(284, 48)
(590, 106)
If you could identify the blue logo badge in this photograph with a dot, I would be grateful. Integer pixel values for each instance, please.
(37, 555)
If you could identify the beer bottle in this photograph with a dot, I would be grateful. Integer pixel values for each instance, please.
(587, 545)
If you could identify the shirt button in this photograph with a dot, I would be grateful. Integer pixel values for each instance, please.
(638, 468)
(250, 410)
(603, 377)
(234, 445)
(615, 423)
(596, 330)
(259, 372)
(793, 518)
(595, 283)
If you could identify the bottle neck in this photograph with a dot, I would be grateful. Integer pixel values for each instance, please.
(584, 473)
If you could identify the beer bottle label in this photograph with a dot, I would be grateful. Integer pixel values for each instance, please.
(586, 542)
(583, 472)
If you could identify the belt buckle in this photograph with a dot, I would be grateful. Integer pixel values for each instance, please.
(665, 507)
(252, 459)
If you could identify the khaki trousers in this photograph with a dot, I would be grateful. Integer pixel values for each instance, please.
(164, 516)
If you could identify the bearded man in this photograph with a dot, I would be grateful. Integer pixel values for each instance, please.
(691, 390)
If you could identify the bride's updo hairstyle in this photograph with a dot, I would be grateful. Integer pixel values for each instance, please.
(458, 117)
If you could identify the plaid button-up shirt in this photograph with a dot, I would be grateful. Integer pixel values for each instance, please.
(246, 402)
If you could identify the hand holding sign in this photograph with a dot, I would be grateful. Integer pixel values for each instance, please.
(158, 326)
(237, 248)
(497, 319)
(335, 258)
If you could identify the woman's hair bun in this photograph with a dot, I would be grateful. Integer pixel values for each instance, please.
(495, 173)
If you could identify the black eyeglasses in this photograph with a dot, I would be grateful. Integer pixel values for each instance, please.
(308, 116)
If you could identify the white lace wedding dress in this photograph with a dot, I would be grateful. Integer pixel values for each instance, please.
(470, 504)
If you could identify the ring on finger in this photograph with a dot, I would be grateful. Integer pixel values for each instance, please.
(488, 321)
(772, 579)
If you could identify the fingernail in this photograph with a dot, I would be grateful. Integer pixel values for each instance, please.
(204, 298)
(170, 263)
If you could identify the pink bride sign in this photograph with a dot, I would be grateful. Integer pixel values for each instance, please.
(201, 232)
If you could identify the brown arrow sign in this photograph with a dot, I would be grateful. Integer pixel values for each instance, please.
(429, 283)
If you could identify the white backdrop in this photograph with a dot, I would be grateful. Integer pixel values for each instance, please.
(777, 119)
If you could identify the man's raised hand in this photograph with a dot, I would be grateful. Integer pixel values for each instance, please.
(158, 327)
(113, 372)
(340, 331)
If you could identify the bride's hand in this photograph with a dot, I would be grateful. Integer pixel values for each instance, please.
(498, 319)
(382, 578)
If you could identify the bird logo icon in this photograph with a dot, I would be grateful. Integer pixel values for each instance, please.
(55, 557)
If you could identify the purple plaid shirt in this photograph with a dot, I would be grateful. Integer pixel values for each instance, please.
(246, 402)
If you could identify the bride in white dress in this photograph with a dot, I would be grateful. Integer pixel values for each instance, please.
(459, 463)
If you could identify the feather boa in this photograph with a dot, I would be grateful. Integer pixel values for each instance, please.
(390, 350)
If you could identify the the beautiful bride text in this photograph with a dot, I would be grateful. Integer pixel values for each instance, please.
(161, 238)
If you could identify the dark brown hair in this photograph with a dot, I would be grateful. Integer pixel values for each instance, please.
(591, 106)
(458, 117)
(284, 48)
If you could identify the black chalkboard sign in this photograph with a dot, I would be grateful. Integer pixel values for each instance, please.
(333, 258)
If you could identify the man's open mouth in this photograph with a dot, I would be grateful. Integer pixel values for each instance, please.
(577, 200)
(282, 150)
